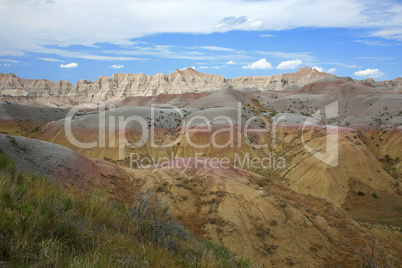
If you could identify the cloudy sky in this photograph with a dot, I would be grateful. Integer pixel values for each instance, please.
(74, 39)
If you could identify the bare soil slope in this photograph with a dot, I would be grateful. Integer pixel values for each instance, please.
(65, 166)
(253, 216)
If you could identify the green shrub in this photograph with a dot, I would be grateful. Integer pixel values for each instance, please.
(6, 162)
(35, 129)
(184, 197)
(273, 222)
(13, 141)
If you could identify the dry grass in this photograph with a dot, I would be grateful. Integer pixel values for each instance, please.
(44, 224)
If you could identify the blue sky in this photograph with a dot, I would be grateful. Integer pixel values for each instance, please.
(75, 39)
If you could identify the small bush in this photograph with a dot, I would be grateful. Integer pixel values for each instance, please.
(184, 197)
(375, 195)
(35, 129)
(360, 193)
(6, 162)
(160, 189)
(151, 213)
(13, 141)
(273, 222)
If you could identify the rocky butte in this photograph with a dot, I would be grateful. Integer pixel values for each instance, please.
(120, 86)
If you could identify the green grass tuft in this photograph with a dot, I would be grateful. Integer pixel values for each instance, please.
(6, 162)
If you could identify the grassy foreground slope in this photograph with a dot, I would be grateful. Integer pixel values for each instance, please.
(45, 224)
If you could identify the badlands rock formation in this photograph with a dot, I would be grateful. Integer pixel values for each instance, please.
(124, 85)
(299, 211)
(254, 216)
(360, 108)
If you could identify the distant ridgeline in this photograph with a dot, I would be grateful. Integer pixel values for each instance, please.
(124, 85)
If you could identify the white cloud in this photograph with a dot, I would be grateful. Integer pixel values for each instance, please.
(182, 69)
(239, 23)
(304, 56)
(6, 64)
(70, 65)
(260, 64)
(51, 60)
(230, 62)
(213, 67)
(343, 65)
(19, 35)
(318, 69)
(178, 52)
(376, 58)
(12, 61)
(394, 33)
(115, 66)
(374, 43)
(81, 55)
(290, 64)
(373, 73)
(267, 35)
(215, 48)
(332, 70)
(218, 67)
